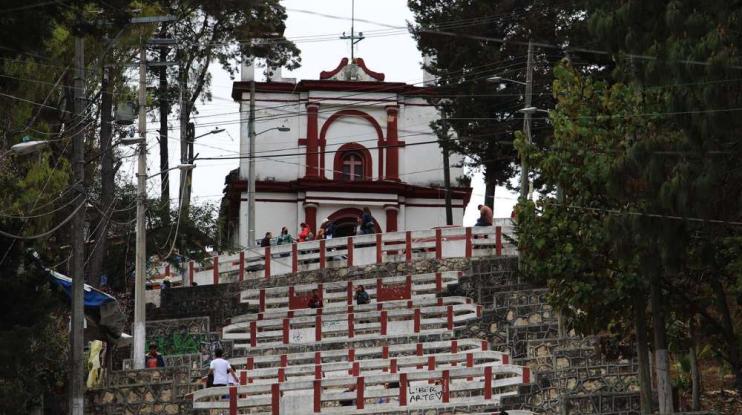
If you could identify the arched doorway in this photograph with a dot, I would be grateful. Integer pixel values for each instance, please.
(346, 221)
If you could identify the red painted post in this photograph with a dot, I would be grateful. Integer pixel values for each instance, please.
(488, 382)
(408, 284)
(242, 266)
(393, 366)
(408, 247)
(409, 304)
(253, 333)
(438, 244)
(317, 396)
(349, 251)
(215, 262)
(445, 389)
(454, 346)
(284, 360)
(350, 293)
(317, 358)
(281, 375)
(417, 321)
(351, 354)
(485, 345)
(250, 363)
(262, 300)
(360, 403)
(439, 302)
(275, 399)
(191, 265)
(349, 309)
(385, 352)
(403, 389)
(384, 321)
(318, 328)
(479, 310)
(468, 249)
(267, 260)
(294, 258)
(355, 369)
(469, 360)
(167, 270)
(438, 282)
(526, 375)
(379, 306)
(505, 359)
(431, 362)
(351, 328)
(419, 353)
(286, 330)
(232, 400)
(498, 240)
(318, 371)
(321, 254)
(449, 317)
(243, 377)
(378, 290)
(379, 249)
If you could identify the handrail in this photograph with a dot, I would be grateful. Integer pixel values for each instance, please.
(351, 251)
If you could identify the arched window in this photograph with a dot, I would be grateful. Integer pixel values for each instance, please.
(352, 166)
(352, 163)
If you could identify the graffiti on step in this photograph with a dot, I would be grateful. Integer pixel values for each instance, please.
(422, 394)
(183, 342)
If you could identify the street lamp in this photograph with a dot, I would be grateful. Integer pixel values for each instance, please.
(251, 173)
(27, 147)
(214, 131)
(501, 79)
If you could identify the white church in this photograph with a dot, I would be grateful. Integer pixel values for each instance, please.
(354, 140)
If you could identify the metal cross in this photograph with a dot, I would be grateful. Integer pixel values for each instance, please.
(353, 38)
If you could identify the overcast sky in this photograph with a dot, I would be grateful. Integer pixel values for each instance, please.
(386, 49)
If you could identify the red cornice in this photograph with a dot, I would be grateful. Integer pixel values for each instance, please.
(383, 187)
(240, 87)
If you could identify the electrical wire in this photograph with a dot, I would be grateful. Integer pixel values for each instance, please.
(49, 232)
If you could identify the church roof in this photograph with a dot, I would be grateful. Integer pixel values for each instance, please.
(355, 71)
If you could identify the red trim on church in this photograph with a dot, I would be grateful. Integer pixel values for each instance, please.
(361, 64)
(238, 88)
(392, 150)
(329, 74)
(312, 153)
(352, 113)
(364, 154)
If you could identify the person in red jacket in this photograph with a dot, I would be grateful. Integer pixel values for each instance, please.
(303, 232)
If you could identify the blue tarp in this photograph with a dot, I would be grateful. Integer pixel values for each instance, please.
(93, 297)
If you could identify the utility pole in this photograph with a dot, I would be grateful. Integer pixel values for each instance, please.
(524, 182)
(164, 112)
(446, 168)
(141, 239)
(78, 240)
(251, 170)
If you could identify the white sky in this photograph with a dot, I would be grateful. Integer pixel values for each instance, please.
(385, 49)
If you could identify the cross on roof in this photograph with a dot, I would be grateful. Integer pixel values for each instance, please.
(353, 38)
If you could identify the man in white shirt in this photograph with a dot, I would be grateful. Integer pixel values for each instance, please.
(221, 369)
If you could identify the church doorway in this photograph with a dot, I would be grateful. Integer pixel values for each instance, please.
(346, 221)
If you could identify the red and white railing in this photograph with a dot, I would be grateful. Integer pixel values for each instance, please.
(392, 392)
(417, 302)
(357, 368)
(441, 243)
(341, 327)
(257, 361)
(341, 293)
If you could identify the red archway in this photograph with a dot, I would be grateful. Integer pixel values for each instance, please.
(346, 220)
(351, 113)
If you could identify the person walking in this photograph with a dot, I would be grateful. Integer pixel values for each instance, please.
(315, 301)
(221, 370)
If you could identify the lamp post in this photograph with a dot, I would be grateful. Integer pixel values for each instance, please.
(27, 147)
(251, 168)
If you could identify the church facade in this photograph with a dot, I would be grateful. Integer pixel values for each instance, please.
(353, 141)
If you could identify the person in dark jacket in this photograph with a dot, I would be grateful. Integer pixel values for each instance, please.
(266, 241)
(361, 296)
(329, 227)
(367, 222)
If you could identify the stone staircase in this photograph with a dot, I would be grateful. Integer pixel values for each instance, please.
(442, 334)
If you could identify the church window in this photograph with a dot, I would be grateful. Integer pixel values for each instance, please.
(352, 166)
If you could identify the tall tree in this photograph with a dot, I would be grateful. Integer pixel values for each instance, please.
(484, 114)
